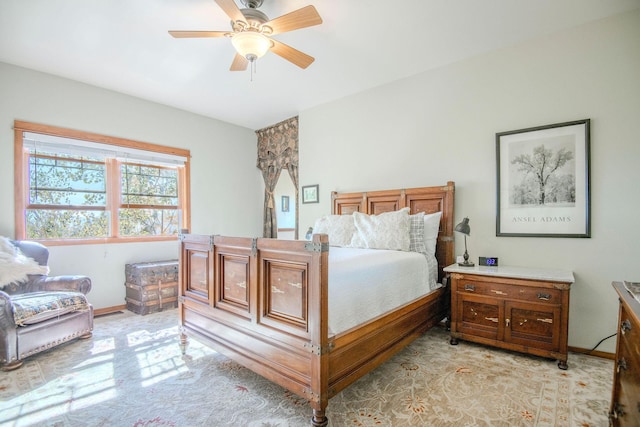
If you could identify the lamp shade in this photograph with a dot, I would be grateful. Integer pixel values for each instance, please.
(251, 44)
(463, 227)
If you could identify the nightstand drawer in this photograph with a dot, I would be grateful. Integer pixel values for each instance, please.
(530, 322)
(499, 290)
(479, 316)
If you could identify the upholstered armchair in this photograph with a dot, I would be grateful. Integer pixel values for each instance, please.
(41, 312)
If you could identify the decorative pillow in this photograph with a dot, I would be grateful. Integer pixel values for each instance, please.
(14, 265)
(431, 229)
(389, 230)
(416, 233)
(35, 307)
(339, 228)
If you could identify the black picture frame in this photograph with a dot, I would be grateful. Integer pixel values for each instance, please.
(543, 181)
(310, 194)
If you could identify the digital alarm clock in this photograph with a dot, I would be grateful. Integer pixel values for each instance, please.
(488, 261)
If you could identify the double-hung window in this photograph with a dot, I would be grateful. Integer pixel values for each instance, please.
(74, 186)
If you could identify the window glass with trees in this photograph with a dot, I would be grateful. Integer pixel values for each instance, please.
(75, 186)
(149, 202)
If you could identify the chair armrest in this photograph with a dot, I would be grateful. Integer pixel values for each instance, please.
(61, 283)
(6, 313)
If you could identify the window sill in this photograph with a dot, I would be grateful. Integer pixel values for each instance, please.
(106, 240)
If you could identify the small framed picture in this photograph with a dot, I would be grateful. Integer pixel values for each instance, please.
(543, 181)
(285, 204)
(310, 194)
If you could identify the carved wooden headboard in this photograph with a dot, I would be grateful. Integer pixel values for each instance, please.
(422, 199)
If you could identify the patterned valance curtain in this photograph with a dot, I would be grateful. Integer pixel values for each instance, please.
(277, 150)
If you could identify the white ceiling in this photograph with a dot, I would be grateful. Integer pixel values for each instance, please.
(123, 45)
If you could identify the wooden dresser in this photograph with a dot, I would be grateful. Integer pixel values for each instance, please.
(625, 400)
(514, 308)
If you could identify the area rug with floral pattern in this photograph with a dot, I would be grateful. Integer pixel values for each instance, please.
(132, 373)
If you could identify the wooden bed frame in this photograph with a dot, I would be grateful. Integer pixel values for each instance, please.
(231, 297)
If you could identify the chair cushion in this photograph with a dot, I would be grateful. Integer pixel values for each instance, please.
(36, 307)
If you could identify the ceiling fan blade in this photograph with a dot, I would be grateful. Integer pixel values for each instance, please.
(231, 9)
(306, 17)
(292, 55)
(196, 34)
(239, 63)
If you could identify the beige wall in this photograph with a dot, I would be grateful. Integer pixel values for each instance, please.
(225, 183)
(441, 125)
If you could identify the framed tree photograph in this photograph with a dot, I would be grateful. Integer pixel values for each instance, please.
(310, 194)
(543, 187)
(285, 204)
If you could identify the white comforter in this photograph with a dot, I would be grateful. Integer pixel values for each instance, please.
(365, 283)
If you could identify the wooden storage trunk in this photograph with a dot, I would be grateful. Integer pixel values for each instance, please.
(151, 286)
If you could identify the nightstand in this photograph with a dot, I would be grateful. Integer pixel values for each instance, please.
(513, 308)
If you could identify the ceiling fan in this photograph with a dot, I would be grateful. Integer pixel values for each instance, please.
(252, 30)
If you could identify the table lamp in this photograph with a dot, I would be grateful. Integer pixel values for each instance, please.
(464, 228)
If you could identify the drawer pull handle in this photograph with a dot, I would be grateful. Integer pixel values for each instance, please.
(625, 326)
(508, 321)
(545, 320)
(498, 292)
(617, 411)
(544, 297)
(470, 288)
(493, 319)
(475, 313)
(523, 322)
(622, 365)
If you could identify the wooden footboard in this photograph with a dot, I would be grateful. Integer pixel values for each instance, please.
(264, 303)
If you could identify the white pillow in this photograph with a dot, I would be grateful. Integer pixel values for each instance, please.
(339, 228)
(389, 230)
(431, 229)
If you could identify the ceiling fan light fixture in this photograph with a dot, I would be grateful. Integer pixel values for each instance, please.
(252, 29)
(251, 44)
